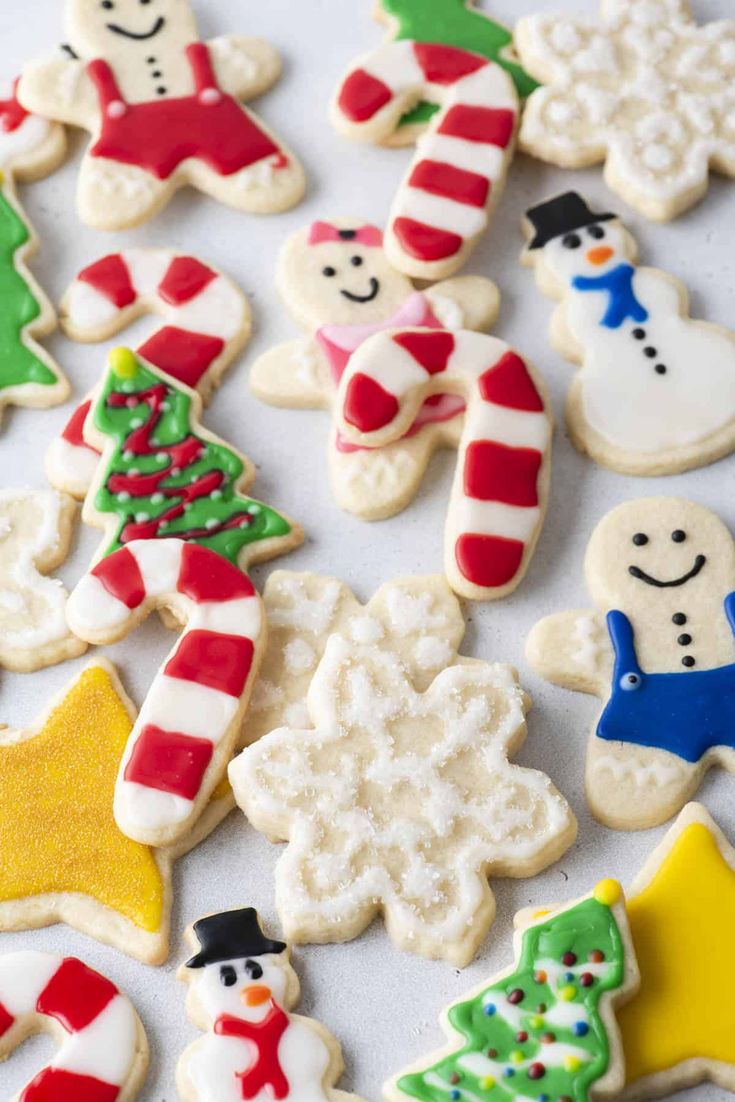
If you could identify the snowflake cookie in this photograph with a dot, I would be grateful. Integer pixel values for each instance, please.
(401, 802)
(644, 89)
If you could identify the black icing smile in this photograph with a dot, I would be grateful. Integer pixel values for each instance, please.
(643, 577)
(374, 288)
(134, 34)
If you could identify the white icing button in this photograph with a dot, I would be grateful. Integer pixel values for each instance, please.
(210, 96)
(116, 109)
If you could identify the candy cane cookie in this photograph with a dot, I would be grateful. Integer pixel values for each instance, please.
(191, 717)
(498, 499)
(104, 1051)
(207, 322)
(447, 197)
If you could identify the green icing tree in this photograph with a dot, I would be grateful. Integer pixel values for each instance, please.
(163, 476)
(456, 23)
(537, 1033)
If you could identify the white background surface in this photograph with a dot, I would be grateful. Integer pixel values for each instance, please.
(381, 1004)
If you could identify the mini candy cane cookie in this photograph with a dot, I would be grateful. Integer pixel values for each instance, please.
(656, 390)
(104, 1050)
(191, 718)
(30, 148)
(548, 1022)
(242, 989)
(336, 280)
(164, 110)
(659, 649)
(498, 499)
(448, 196)
(207, 322)
(643, 89)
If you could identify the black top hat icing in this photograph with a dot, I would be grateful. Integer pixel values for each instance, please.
(562, 214)
(231, 935)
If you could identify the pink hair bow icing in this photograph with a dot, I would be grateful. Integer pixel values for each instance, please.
(366, 235)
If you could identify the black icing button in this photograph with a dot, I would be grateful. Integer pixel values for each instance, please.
(161, 91)
(684, 640)
(660, 369)
(156, 73)
(678, 618)
(151, 60)
(650, 352)
(687, 661)
(639, 334)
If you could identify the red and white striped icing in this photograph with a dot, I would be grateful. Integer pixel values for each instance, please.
(205, 314)
(446, 198)
(100, 1050)
(187, 728)
(498, 498)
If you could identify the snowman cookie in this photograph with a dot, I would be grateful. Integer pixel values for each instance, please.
(658, 649)
(242, 989)
(164, 109)
(338, 283)
(656, 390)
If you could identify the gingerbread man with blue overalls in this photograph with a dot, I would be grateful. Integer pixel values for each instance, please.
(659, 649)
(164, 110)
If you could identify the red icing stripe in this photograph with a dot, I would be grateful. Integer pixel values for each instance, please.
(488, 560)
(446, 64)
(495, 472)
(6, 1020)
(492, 125)
(367, 405)
(431, 350)
(57, 1085)
(214, 659)
(361, 96)
(185, 278)
(184, 355)
(111, 278)
(509, 384)
(75, 995)
(169, 761)
(426, 242)
(12, 112)
(206, 576)
(121, 576)
(440, 178)
(74, 428)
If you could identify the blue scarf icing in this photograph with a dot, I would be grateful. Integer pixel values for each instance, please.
(622, 302)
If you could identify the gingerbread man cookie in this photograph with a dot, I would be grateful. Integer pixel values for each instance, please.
(643, 89)
(659, 649)
(164, 109)
(30, 148)
(656, 391)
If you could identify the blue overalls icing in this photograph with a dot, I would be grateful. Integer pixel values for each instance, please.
(684, 713)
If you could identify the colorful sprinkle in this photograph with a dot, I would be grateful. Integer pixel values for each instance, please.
(586, 979)
(596, 956)
(521, 1036)
(454, 1078)
(516, 1057)
(488, 1082)
(492, 1053)
(455, 1095)
(581, 1029)
(508, 1072)
(541, 1008)
(490, 1009)
(517, 995)
(572, 1063)
(569, 959)
(567, 993)
(540, 976)
(536, 1021)
(548, 1038)
(536, 1071)
(608, 892)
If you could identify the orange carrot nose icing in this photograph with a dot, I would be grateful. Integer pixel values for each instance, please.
(600, 255)
(256, 995)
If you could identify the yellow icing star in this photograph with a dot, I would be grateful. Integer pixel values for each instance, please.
(682, 917)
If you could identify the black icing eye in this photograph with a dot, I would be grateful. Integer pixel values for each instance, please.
(253, 969)
(357, 261)
(145, 1)
(107, 4)
(597, 232)
(640, 539)
(228, 975)
(678, 536)
(571, 241)
(329, 272)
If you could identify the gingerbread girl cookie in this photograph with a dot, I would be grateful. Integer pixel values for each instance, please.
(659, 649)
(656, 390)
(164, 109)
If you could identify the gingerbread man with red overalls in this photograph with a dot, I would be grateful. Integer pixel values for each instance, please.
(164, 110)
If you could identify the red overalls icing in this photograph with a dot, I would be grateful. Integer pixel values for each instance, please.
(157, 135)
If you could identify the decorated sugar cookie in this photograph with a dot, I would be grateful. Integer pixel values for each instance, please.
(30, 148)
(164, 109)
(35, 532)
(658, 649)
(453, 23)
(640, 87)
(338, 283)
(446, 199)
(498, 499)
(545, 1028)
(207, 322)
(400, 802)
(242, 989)
(656, 390)
(103, 1055)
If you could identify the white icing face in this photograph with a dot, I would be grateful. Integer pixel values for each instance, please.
(592, 251)
(341, 282)
(243, 988)
(104, 27)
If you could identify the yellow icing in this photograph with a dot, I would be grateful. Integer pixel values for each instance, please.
(123, 363)
(682, 926)
(57, 832)
(608, 892)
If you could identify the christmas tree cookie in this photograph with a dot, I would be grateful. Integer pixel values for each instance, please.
(545, 1030)
(30, 148)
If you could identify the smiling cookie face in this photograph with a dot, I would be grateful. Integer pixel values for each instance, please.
(336, 273)
(105, 27)
(590, 251)
(244, 987)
